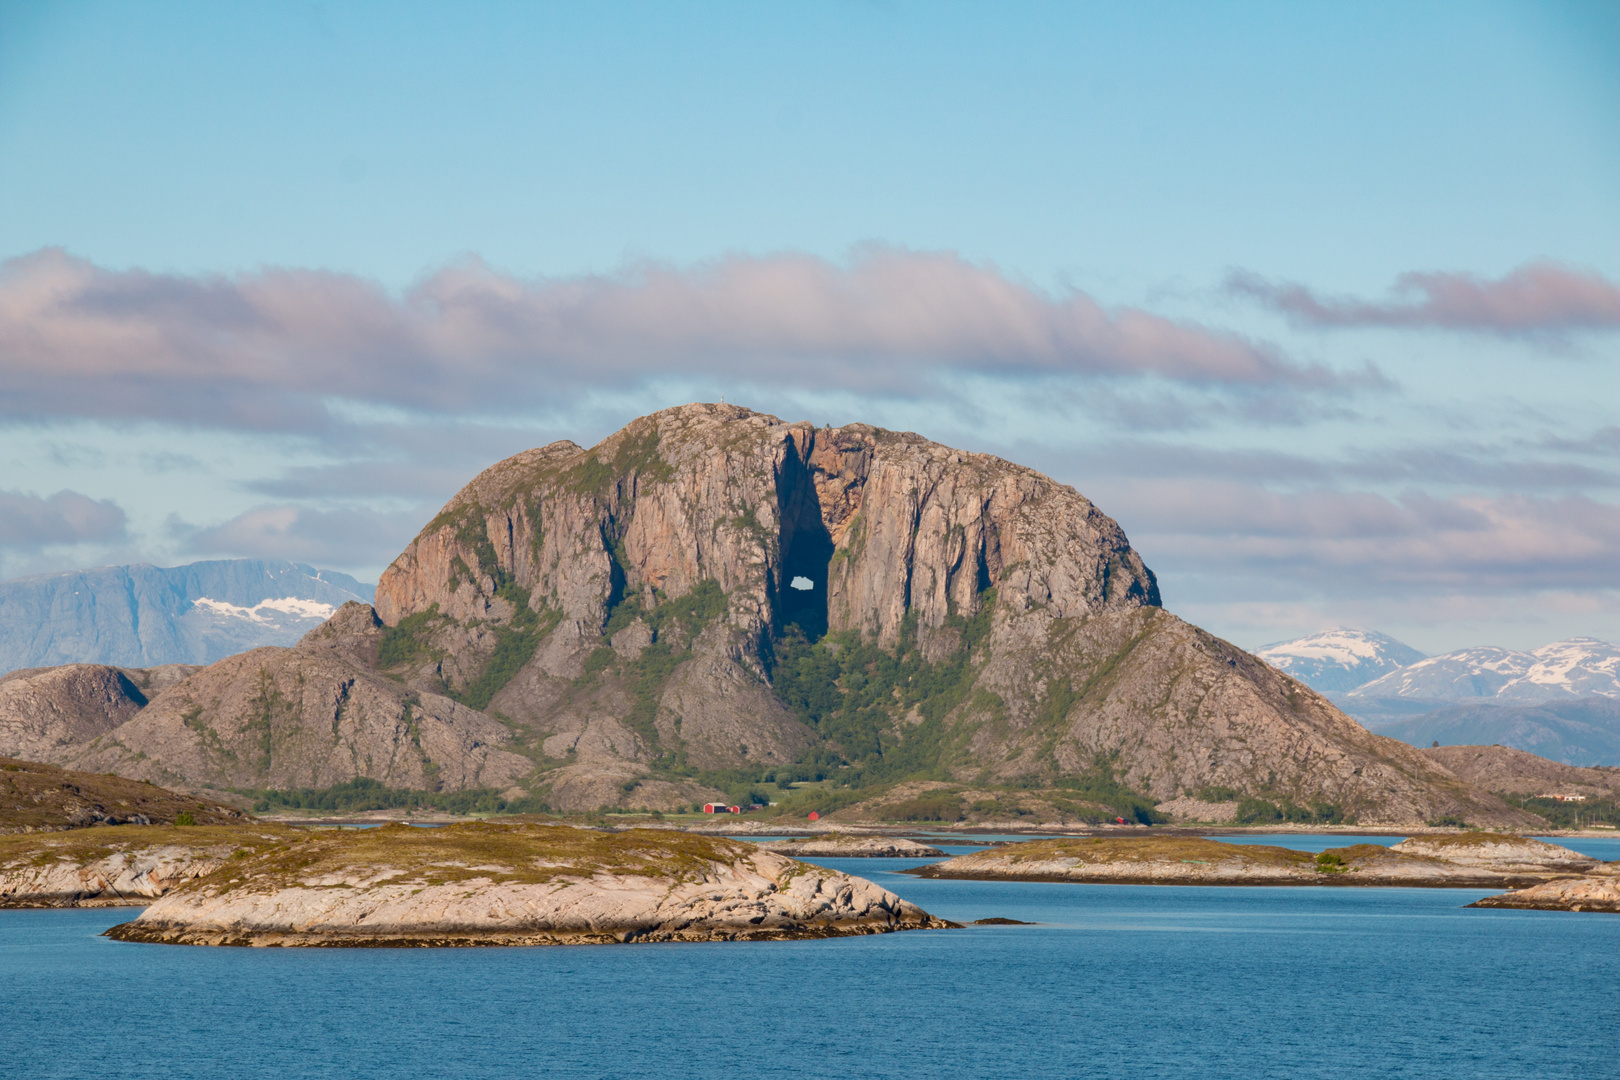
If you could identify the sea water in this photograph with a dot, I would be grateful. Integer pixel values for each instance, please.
(1112, 981)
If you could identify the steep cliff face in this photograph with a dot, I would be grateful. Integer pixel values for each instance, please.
(882, 525)
(713, 589)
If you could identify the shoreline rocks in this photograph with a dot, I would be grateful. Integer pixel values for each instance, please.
(484, 884)
(1499, 853)
(1596, 892)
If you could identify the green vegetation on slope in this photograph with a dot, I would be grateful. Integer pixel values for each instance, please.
(1255, 811)
(854, 693)
(648, 673)
(515, 642)
(363, 793)
(409, 641)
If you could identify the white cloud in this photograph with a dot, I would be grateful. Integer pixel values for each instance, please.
(271, 349)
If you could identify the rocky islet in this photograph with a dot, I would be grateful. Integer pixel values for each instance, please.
(1453, 861)
(490, 884)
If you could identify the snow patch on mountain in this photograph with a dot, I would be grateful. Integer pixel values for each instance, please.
(286, 605)
(1576, 667)
(144, 616)
(1339, 659)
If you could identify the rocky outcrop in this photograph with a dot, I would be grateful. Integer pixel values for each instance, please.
(853, 847)
(1596, 892)
(119, 867)
(1190, 809)
(486, 884)
(1180, 860)
(43, 798)
(1498, 853)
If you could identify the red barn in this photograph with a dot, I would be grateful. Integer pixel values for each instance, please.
(815, 816)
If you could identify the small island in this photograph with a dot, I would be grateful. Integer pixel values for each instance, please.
(1469, 860)
(522, 884)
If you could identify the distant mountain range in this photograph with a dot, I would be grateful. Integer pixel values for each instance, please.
(143, 616)
(1583, 731)
(1337, 660)
(1577, 667)
(1561, 701)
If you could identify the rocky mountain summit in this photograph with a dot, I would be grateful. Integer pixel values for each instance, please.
(712, 594)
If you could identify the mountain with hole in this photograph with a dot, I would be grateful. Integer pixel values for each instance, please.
(712, 600)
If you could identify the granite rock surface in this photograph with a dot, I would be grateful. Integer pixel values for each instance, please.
(518, 885)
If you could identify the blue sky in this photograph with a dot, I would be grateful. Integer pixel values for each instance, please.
(1200, 217)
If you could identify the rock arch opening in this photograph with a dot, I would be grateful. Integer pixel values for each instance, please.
(807, 549)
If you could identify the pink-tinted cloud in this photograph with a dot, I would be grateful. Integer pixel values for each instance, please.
(265, 349)
(1537, 298)
(29, 522)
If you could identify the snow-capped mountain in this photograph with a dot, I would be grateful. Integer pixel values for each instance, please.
(1340, 659)
(1577, 667)
(142, 615)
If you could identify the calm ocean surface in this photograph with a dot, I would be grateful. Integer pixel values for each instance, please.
(1116, 981)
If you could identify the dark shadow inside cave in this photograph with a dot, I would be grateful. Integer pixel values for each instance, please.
(807, 549)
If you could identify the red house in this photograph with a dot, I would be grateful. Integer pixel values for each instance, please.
(720, 808)
(815, 815)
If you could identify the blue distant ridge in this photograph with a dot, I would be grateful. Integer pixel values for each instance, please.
(143, 615)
